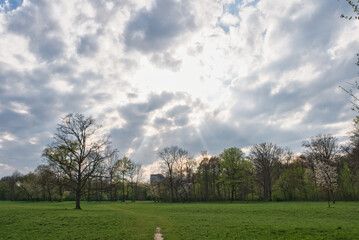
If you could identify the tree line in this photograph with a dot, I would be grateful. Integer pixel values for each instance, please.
(324, 171)
(82, 165)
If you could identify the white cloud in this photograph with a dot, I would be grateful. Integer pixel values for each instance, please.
(6, 170)
(248, 71)
(229, 19)
(19, 107)
(4, 136)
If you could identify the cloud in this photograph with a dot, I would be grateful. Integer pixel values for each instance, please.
(203, 75)
(156, 29)
(87, 46)
(6, 170)
(44, 39)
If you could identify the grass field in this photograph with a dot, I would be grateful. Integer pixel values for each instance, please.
(106, 220)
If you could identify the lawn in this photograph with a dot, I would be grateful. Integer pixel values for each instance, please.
(108, 220)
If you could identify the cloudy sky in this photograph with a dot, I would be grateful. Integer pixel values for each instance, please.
(202, 75)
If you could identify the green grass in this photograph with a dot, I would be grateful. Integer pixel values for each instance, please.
(106, 220)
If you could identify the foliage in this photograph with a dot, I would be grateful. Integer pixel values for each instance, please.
(4, 190)
(323, 151)
(291, 181)
(355, 6)
(232, 168)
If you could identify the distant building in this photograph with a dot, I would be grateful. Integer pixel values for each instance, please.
(156, 177)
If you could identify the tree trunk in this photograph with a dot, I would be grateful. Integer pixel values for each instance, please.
(61, 192)
(123, 188)
(78, 198)
(49, 193)
(171, 186)
(89, 190)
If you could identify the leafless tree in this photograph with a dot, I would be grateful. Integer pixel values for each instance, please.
(78, 150)
(266, 159)
(111, 167)
(135, 173)
(170, 157)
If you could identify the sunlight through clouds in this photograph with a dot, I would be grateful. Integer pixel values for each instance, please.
(203, 75)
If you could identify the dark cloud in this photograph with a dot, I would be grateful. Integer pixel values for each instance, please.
(163, 122)
(87, 45)
(42, 31)
(136, 117)
(156, 29)
(178, 110)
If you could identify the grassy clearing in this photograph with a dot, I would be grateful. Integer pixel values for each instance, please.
(285, 220)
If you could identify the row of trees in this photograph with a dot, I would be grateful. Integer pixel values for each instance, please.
(323, 171)
(80, 161)
(81, 165)
(44, 184)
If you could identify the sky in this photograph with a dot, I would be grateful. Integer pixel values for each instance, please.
(201, 75)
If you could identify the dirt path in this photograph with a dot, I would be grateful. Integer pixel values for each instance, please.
(158, 235)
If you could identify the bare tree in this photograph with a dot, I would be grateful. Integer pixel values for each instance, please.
(111, 167)
(170, 156)
(266, 159)
(78, 150)
(184, 175)
(134, 174)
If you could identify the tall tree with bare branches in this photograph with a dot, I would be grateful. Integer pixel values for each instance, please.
(170, 157)
(78, 150)
(266, 159)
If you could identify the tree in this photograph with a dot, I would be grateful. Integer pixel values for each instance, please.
(12, 180)
(266, 159)
(135, 173)
(124, 165)
(46, 179)
(355, 6)
(78, 150)
(291, 180)
(4, 190)
(184, 175)
(323, 149)
(30, 185)
(204, 175)
(232, 170)
(170, 157)
(113, 175)
(59, 179)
